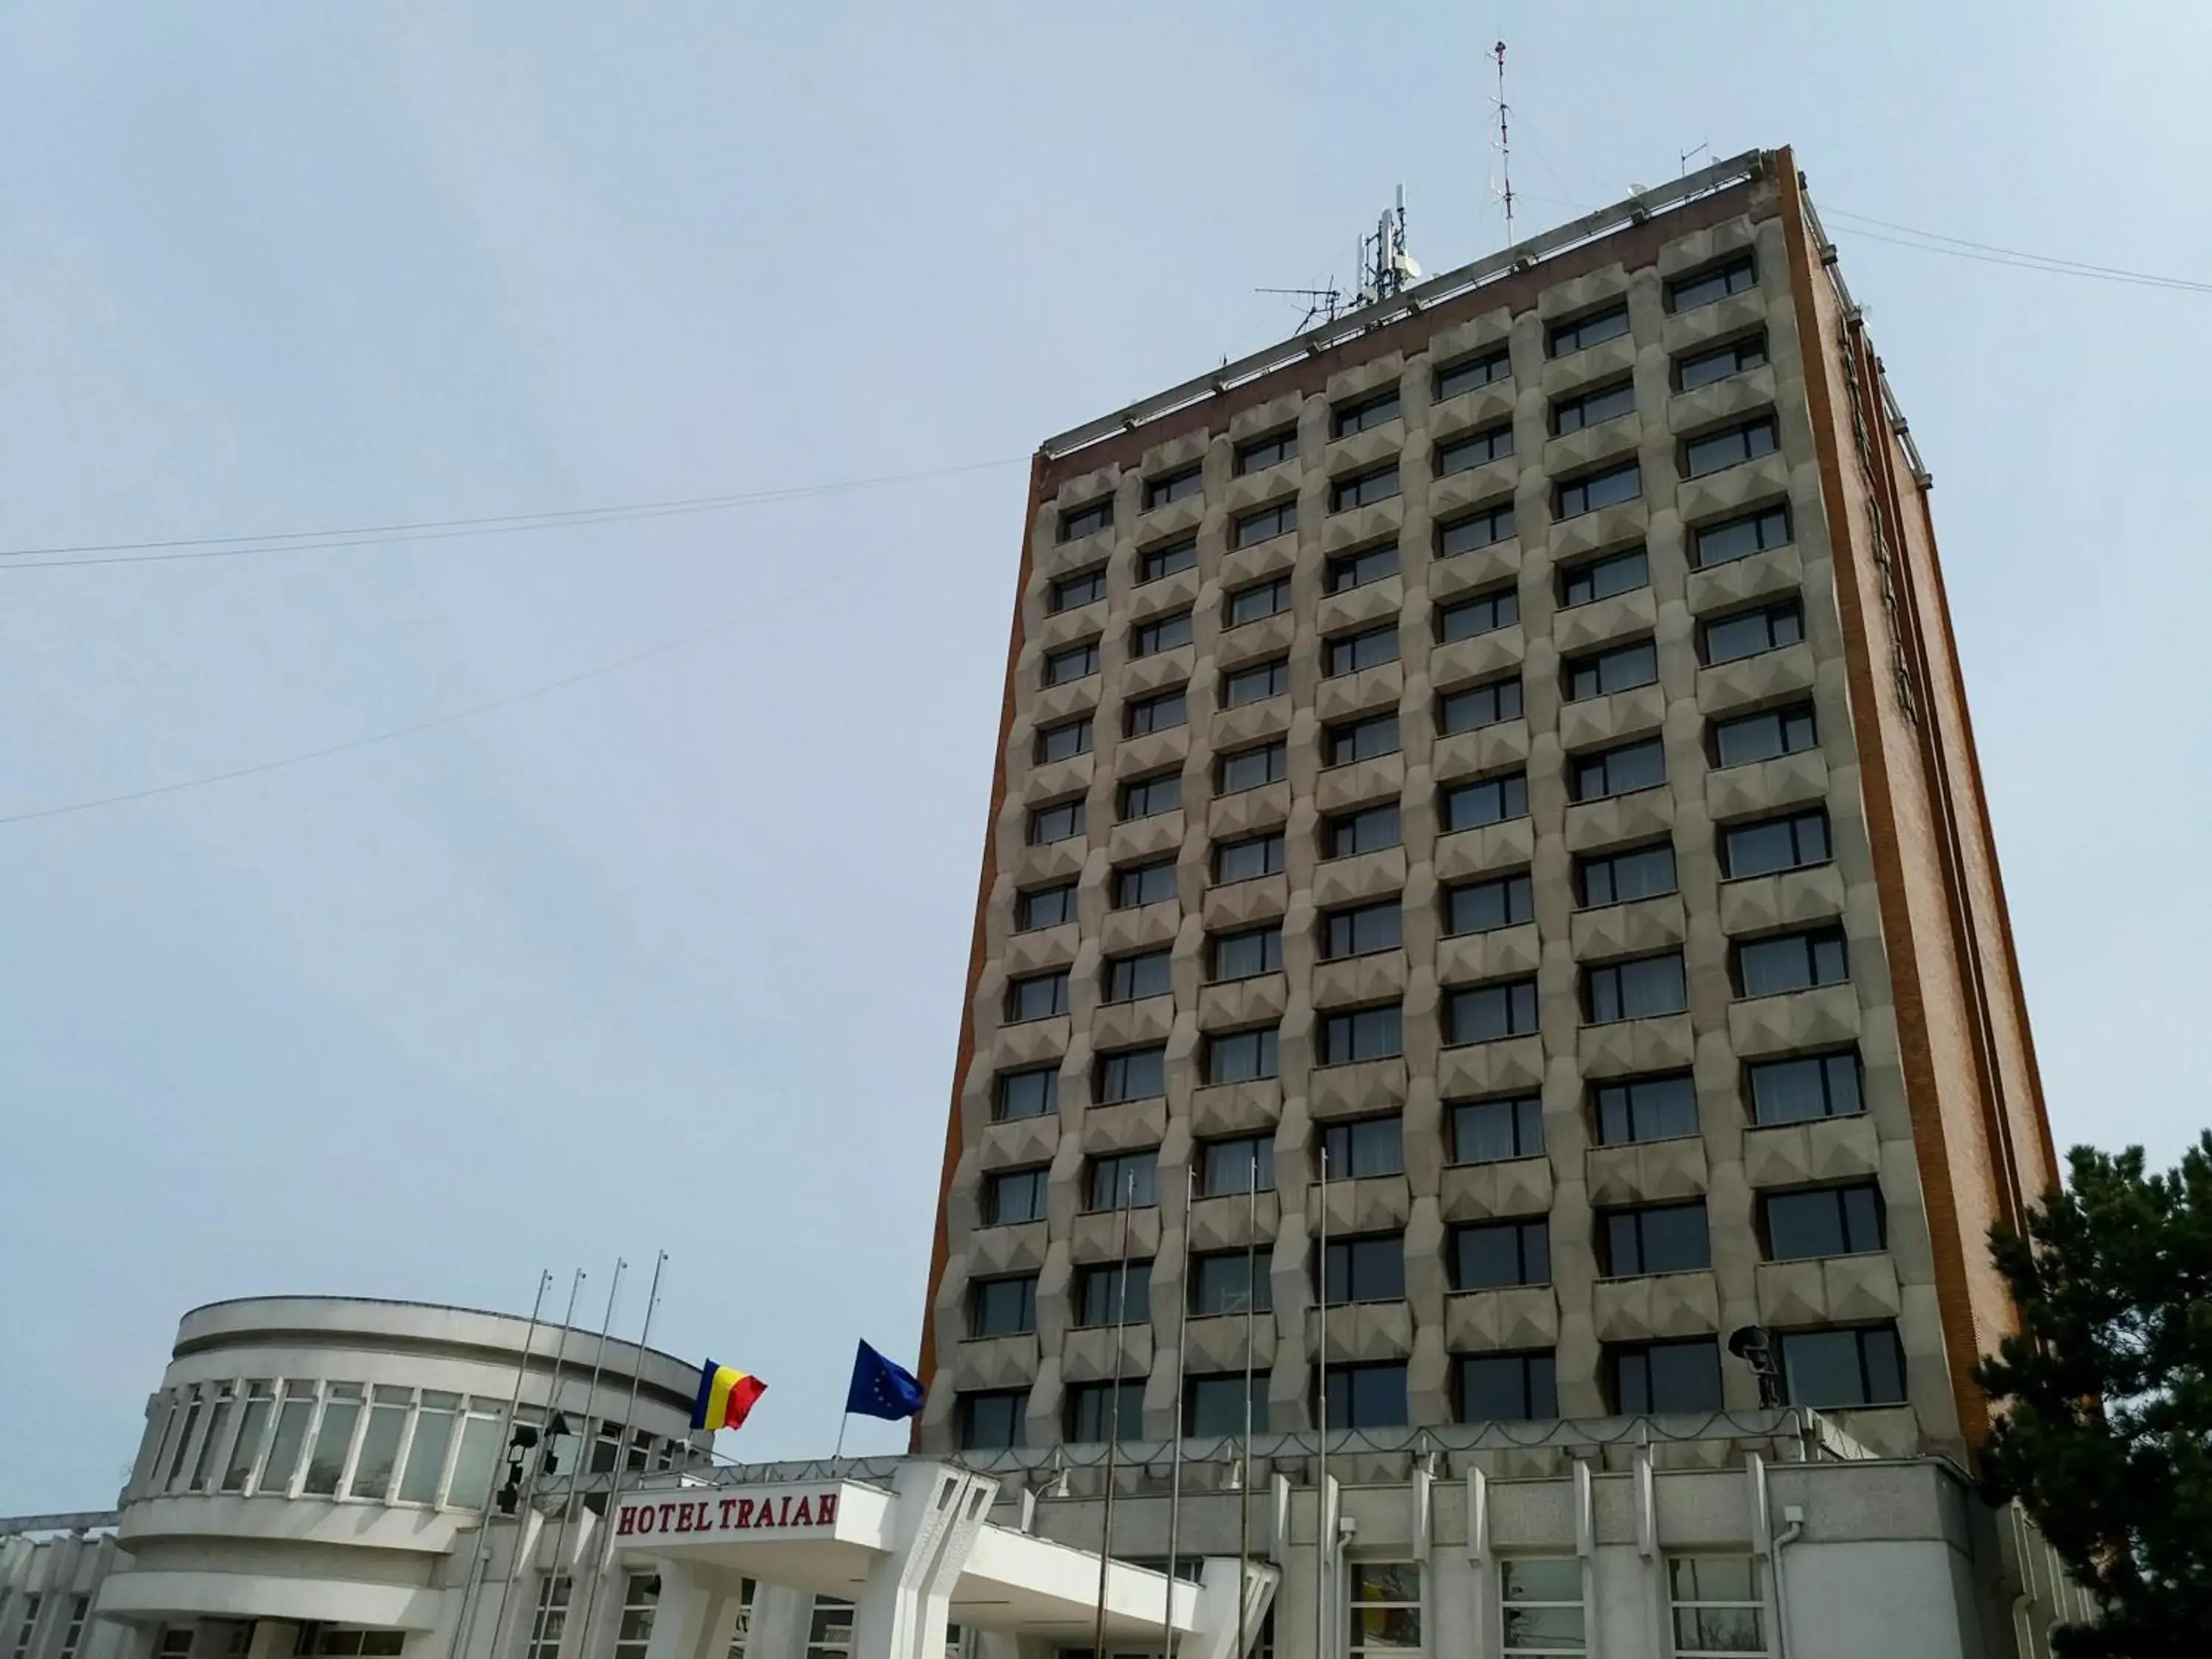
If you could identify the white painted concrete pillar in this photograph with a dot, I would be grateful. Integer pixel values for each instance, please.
(937, 1511)
(780, 1621)
(1219, 1586)
(697, 1613)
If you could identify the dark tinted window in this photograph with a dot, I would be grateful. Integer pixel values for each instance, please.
(1155, 563)
(1225, 1405)
(1362, 931)
(1248, 952)
(1702, 287)
(1507, 1387)
(1497, 1254)
(1099, 1412)
(1483, 1013)
(1230, 1282)
(1804, 1087)
(1144, 884)
(1495, 1131)
(1241, 1056)
(1478, 706)
(1749, 633)
(1248, 768)
(1589, 329)
(1278, 519)
(1075, 662)
(1370, 1269)
(1033, 1093)
(1730, 447)
(1609, 487)
(1483, 613)
(1045, 907)
(1013, 1196)
(1146, 974)
(1002, 1307)
(1719, 363)
(1133, 1074)
(1063, 742)
(1083, 587)
(1486, 800)
(1343, 1035)
(1161, 712)
(1255, 453)
(1655, 1238)
(1764, 736)
(1039, 996)
(1366, 1396)
(1666, 1376)
(1255, 855)
(1621, 771)
(1365, 415)
(1107, 1296)
(1236, 1165)
(1631, 873)
(1642, 987)
(1617, 668)
(1484, 907)
(1060, 822)
(1584, 408)
(1825, 1221)
(991, 1420)
(1465, 376)
(1600, 579)
(1361, 739)
(1124, 1178)
(1770, 844)
(1249, 604)
(1365, 1147)
(1493, 443)
(1173, 486)
(1833, 1369)
(1363, 488)
(1645, 1109)
(1370, 647)
(1256, 683)
(1739, 538)
(1479, 528)
(1357, 570)
(1364, 831)
(1144, 797)
(1790, 962)
(1086, 520)
(1161, 634)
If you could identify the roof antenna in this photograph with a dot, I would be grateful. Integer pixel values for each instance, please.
(1704, 147)
(1504, 186)
(1386, 268)
(1321, 302)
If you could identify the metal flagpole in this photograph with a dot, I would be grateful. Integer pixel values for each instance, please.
(466, 1622)
(583, 1437)
(622, 1451)
(1244, 1472)
(530, 1486)
(844, 1421)
(1322, 1551)
(1113, 1422)
(1175, 1467)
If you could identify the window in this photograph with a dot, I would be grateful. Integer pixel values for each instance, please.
(1587, 409)
(1231, 1281)
(1367, 830)
(1365, 415)
(1363, 489)
(1714, 283)
(1037, 996)
(1248, 859)
(549, 1619)
(1144, 797)
(1823, 1221)
(1616, 668)
(80, 1607)
(1136, 884)
(1361, 932)
(29, 1627)
(1607, 488)
(1499, 1254)
(1498, 1131)
(1234, 1164)
(1002, 1307)
(252, 1425)
(1249, 604)
(1083, 587)
(1360, 739)
(1486, 800)
(1829, 1368)
(426, 1452)
(1481, 528)
(1792, 962)
(1357, 570)
(1364, 1146)
(1621, 877)
(1484, 613)
(1484, 1013)
(1383, 1602)
(1655, 1238)
(1478, 706)
(1149, 639)
(1716, 1603)
(1369, 1269)
(1133, 1074)
(176, 1642)
(1061, 821)
(1261, 680)
(204, 1469)
(1249, 768)
(1587, 330)
(334, 1644)
(1473, 372)
(1073, 662)
(1666, 1376)
(1506, 1387)
(1640, 987)
(1241, 1056)
(1154, 563)
(991, 1419)
(1370, 647)
(1255, 454)
(1493, 443)
(1173, 487)
(1044, 907)
(1218, 1405)
(1731, 446)
(291, 1437)
(1099, 1412)
(1278, 519)
(1760, 848)
(1718, 362)
(1485, 906)
(1600, 579)
(1105, 1295)
(640, 1597)
(1619, 771)
(1804, 1087)
(1248, 952)
(1770, 732)
(1751, 633)
(1088, 520)
(1630, 1109)
(1367, 1396)
(1119, 1179)
(342, 1410)
(1145, 974)
(1162, 712)
(1013, 1196)
(1345, 1035)
(1542, 1606)
(1064, 741)
(1739, 538)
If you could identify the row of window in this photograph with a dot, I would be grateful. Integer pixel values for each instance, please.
(1488, 367)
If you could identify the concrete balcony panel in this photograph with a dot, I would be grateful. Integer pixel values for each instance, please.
(1764, 787)
(1245, 903)
(1637, 929)
(1648, 1172)
(1809, 1154)
(1737, 398)
(1487, 1192)
(1359, 879)
(1235, 1221)
(1100, 1353)
(1840, 1290)
(995, 1250)
(1354, 981)
(1723, 320)
(1502, 1321)
(1218, 1342)
(1357, 526)
(1154, 752)
(1145, 926)
(1375, 1204)
(1608, 360)
(1647, 815)
(1508, 1066)
(1022, 1141)
(1095, 1236)
(996, 1362)
(1629, 1046)
(1597, 722)
(1144, 838)
(1775, 573)
(1475, 754)
(1248, 812)
(1057, 780)
(1504, 953)
(1620, 616)
(1657, 1306)
(1472, 571)
(1339, 788)
(1236, 1003)
(1360, 607)
(1126, 1126)
(1356, 1089)
(1490, 850)
(1755, 682)
(1236, 1108)
(1765, 904)
(1733, 489)
(1362, 1332)
(1344, 695)
(1471, 661)
(1827, 1017)
(1132, 1024)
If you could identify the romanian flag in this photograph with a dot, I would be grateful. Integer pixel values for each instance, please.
(726, 1394)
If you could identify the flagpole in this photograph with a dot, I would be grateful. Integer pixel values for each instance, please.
(545, 1445)
(583, 1438)
(1113, 1422)
(1322, 1551)
(1175, 1475)
(1244, 1472)
(622, 1451)
(843, 1422)
(470, 1599)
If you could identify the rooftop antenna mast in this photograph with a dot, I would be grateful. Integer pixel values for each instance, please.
(1504, 186)
(1704, 147)
(1386, 268)
(1321, 302)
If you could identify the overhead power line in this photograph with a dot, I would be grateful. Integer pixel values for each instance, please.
(1931, 241)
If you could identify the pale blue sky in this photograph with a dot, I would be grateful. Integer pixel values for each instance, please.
(563, 981)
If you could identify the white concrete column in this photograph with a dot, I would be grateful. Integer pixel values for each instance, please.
(937, 1511)
(1221, 1584)
(780, 1621)
(697, 1613)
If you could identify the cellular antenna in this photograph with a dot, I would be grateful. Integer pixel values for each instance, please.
(1386, 268)
(1504, 184)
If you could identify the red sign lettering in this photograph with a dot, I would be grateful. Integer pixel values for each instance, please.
(826, 1508)
(626, 1524)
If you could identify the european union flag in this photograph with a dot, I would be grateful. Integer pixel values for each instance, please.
(881, 1389)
